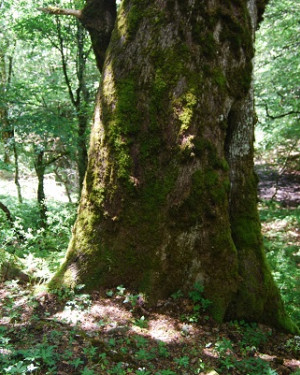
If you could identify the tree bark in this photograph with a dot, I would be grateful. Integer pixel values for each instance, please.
(17, 181)
(40, 167)
(98, 17)
(82, 157)
(170, 192)
(6, 128)
(83, 97)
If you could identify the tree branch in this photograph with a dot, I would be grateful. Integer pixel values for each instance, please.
(274, 117)
(62, 12)
(64, 63)
(54, 159)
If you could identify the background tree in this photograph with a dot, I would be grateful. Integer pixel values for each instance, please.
(69, 38)
(46, 97)
(43, 127)
(7, 51)
(170, 192)
(277, 86)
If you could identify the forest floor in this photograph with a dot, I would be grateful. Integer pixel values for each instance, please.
(283, 188)
(29, 183)
(115, 332)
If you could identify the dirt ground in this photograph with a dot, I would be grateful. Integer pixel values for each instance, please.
(283, 188)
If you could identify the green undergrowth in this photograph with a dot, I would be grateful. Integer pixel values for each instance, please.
(38, 251)
(33, 340)
(282, 240)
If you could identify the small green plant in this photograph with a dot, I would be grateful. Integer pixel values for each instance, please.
(132, 298)
(196, 295)
(163, 350)
(144, 355)
(109, 293)
(142, 371)
(64, 293)
(76, 362)
(90, 352)
(55, 336)
(87, 371)
(141, 341)
(14, 313)
(182, 361)
(293, 344)
(124, 350)
(142, 322)
(103, 361)
(223, 347)
(118, 369)
(165, 372)
(200, 303)
(17, 368)
(177, 295)
(253, 336)
(254, 366)
(200, 366)
(112, 342)
(120, 290)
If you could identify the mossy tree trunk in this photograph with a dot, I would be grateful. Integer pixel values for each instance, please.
(169, 197)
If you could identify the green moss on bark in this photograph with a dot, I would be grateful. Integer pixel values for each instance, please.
(156, 212)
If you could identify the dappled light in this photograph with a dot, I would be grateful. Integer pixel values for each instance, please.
(74, 331)
(153, 255)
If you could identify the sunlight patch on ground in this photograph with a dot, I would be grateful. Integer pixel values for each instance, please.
(71, 316)
(277, 225)
(53, 190)
(110, 312)
(163, 329)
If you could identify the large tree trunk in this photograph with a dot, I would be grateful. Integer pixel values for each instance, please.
(170, 193)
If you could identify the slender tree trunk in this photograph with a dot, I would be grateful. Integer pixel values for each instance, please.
(82, 150)
(17, 181)
(7, 133)
(82, 104)
(40, 167)
(170, 193)
(78, 98)
(65, 183)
